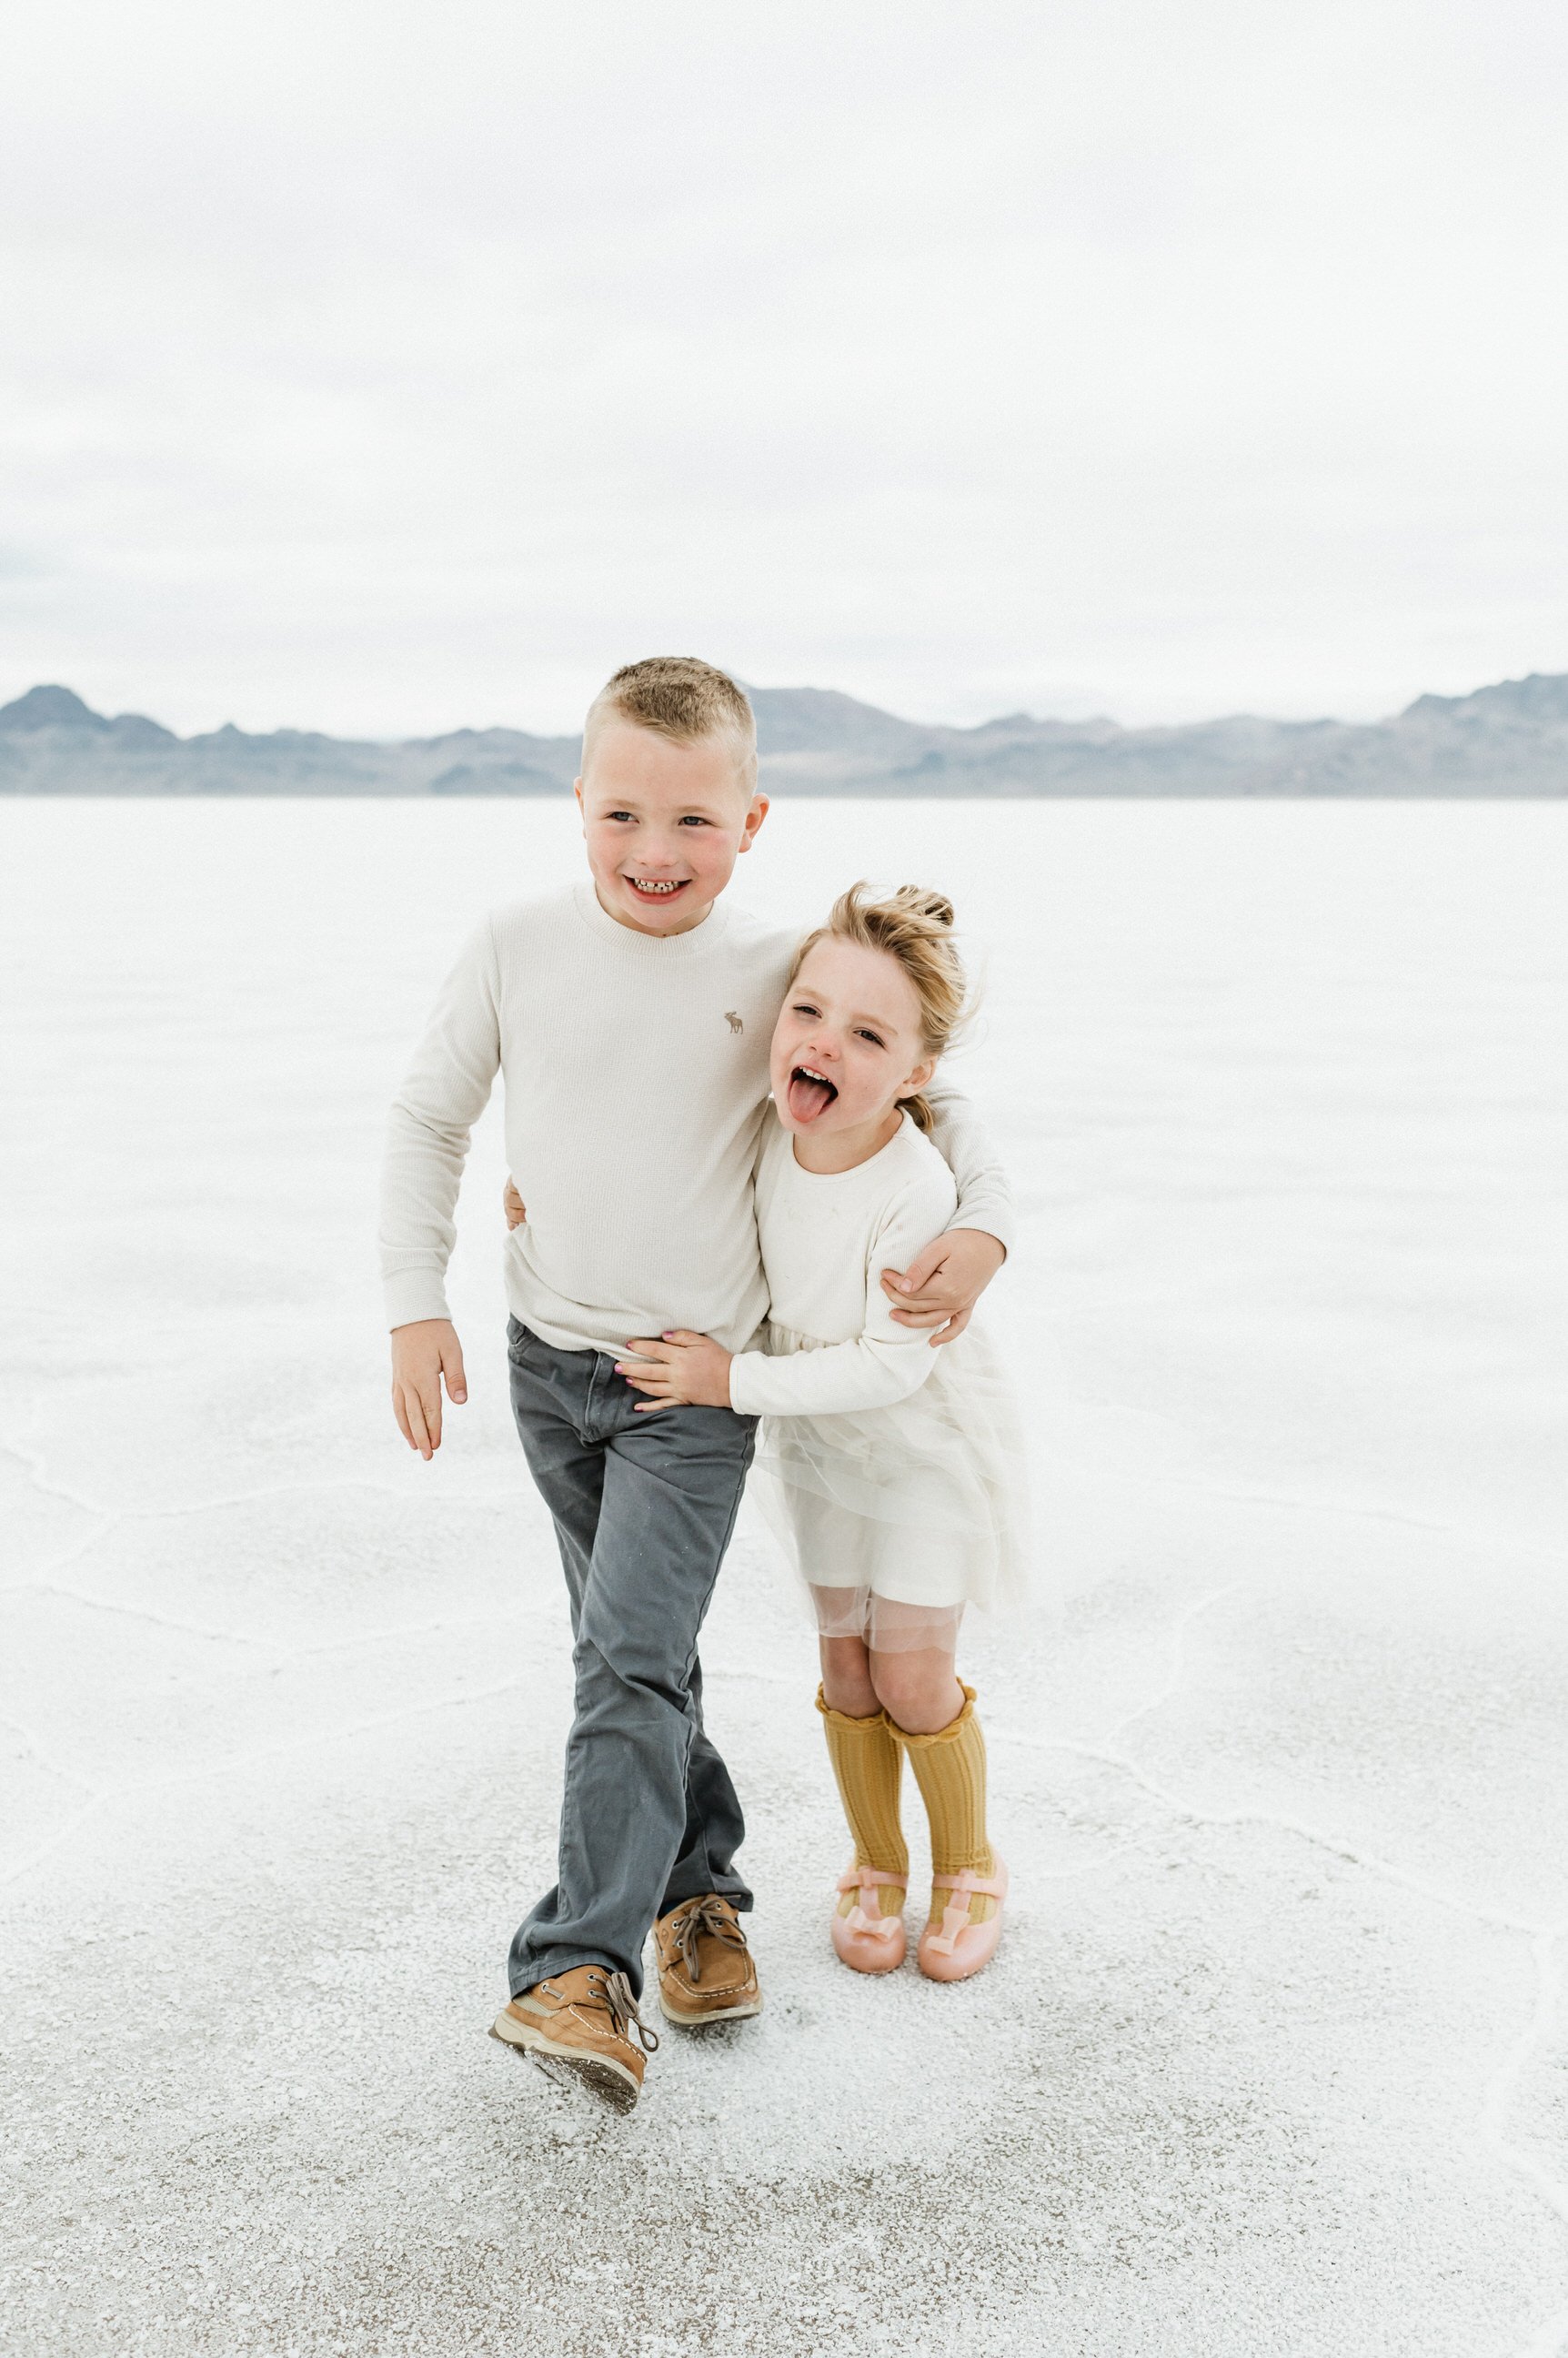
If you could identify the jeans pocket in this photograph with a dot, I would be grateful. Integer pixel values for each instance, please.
(519, 1341)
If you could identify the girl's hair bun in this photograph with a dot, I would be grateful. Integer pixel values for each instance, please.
(922, 903)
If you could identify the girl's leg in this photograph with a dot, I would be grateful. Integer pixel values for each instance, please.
(934, 1713)
(869, 1768)
(846, 1678)
(917, 1687)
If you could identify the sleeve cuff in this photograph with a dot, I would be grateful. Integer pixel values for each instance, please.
(992, 1216)
(741, 1388)
(419, 1295)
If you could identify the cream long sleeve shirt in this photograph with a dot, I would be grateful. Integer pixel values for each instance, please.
(827, 1238)
(636, 1078)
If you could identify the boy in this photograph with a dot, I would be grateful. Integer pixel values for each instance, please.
(630, 1018)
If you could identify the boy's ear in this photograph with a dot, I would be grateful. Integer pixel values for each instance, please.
(577, 789)
(756, 815)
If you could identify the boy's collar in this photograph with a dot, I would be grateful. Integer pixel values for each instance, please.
(670, 949)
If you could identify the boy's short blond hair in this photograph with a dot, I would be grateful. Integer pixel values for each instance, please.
(680, 697)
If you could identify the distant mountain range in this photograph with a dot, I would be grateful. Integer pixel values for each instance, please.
(1511, 739)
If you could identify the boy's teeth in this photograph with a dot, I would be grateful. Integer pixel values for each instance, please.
(643, 885)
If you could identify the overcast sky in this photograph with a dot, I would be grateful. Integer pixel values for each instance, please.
(381, 368)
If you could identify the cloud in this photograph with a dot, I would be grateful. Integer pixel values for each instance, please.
(383, 369)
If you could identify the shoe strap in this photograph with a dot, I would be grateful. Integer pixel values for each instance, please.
(956, 1915)
(990, 1886)
(862, 1878)
(865, 1879)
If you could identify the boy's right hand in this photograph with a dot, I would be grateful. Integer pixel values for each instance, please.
(422, 1354)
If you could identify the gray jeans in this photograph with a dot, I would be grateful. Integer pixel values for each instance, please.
(644, 1508)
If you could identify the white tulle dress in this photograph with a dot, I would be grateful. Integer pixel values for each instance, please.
(894, 1471)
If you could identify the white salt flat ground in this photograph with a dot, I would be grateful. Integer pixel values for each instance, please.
(1275, 2057)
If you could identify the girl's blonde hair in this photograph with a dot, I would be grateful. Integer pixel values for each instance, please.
(916, 929)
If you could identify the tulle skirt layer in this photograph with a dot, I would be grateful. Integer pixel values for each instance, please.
(897, 1518)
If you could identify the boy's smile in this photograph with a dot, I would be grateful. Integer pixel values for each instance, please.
(664, 824)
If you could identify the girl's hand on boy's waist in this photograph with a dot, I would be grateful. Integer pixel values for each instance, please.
(679, 1371)
(941, 1286)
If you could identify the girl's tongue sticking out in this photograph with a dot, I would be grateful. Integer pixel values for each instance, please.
(810, 1093)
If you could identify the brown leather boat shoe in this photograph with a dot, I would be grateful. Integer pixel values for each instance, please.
(706, 1970)
(581, 2022)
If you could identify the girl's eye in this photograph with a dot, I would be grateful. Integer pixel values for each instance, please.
(804, 1007)
(874, 1039)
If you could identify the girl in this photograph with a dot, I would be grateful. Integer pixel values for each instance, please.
(892, 1466)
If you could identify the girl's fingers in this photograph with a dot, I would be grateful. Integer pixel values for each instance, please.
(922, 1317)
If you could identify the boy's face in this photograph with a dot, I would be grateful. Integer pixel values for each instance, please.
(848, 1043)
(664, 825)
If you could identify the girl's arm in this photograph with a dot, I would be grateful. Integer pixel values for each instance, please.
(884, 1363)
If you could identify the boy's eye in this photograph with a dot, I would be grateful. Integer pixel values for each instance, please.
(804, 1007)
(618, 814)
(692, 819)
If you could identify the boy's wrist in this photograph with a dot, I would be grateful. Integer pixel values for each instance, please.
(412, 1299)
(989, 1221)
(986, 1235)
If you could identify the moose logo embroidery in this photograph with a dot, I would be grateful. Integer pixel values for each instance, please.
(733, 1021)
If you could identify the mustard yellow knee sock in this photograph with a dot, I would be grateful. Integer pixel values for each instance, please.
(950, 1771)
(869, 1768)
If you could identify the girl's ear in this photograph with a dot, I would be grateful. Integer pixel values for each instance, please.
(917, 1079)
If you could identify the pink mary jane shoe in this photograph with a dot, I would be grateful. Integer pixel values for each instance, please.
(867, 1942)
(953, 1949)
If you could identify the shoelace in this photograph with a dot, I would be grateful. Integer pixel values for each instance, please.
(622, 2008)
(705, 1916)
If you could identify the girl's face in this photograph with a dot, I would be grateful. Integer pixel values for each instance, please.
(848, 1043)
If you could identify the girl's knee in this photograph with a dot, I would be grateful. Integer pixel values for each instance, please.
(919, 1693)
(847, 1679)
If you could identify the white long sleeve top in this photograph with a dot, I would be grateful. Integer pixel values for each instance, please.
(827, 1239)
(636, 1078)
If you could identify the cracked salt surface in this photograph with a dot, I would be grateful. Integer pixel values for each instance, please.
(1273, 2057)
